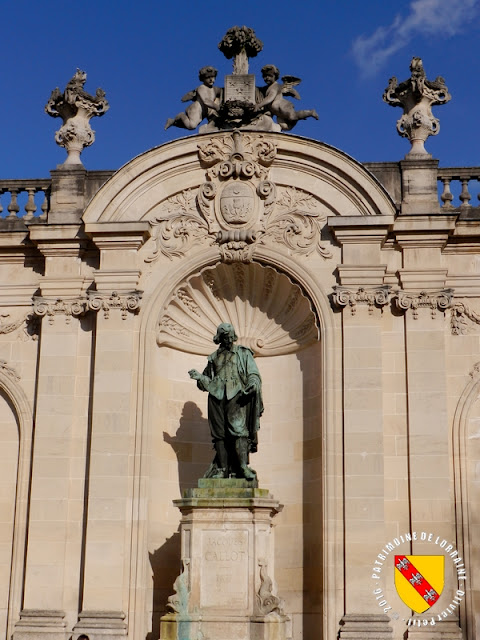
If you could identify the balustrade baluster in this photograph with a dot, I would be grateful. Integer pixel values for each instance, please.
(30, 207)
(13, 207)
(447, 195)
(44, 206)
(465, 197)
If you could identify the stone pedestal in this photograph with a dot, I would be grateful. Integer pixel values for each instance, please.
(365, 626)
(47, 624)
(226, 587)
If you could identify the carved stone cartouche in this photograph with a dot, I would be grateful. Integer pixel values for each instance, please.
(238, 207)
(76, 107)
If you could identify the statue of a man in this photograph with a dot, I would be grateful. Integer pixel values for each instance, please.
(235, 405)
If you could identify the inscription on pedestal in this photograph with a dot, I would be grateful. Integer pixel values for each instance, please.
(224, 581)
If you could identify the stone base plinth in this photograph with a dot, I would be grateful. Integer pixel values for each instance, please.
(175, 626)
(100, 625)
(447, 629)
(46, 624)
(226, 588)
(365, 626)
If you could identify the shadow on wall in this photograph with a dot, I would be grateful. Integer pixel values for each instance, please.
(310, 360)
(192, 445)
(165, 563)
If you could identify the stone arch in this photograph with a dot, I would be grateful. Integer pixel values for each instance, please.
(466, 456)
(15, 403)
(342, 185)
(330, 507)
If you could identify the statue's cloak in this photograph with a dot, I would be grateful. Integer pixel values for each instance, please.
(229, 379)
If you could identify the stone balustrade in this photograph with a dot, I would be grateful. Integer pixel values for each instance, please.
(19, 199)
(27, 199)
(468, 177)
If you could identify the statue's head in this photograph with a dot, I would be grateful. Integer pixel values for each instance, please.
(270, 69)
(207, 72)
(225, 330)
(416, 67)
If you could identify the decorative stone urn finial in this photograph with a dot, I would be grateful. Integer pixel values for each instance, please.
(417, 95)
(75, 106)
(240, 43)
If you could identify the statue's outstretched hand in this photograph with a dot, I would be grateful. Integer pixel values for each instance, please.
(193, 373)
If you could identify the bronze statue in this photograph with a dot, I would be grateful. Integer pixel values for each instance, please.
(235, 405)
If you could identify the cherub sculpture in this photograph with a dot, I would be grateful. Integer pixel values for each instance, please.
(275, 103)
(206, 102)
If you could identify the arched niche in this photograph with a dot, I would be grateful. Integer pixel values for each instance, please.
(15, 451)
(466, 456)
(292, 459)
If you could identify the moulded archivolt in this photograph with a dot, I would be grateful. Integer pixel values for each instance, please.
(270, 313)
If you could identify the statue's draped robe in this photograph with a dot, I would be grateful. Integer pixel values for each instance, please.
(231, 413)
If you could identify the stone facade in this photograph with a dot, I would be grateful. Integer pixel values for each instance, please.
(358, 291)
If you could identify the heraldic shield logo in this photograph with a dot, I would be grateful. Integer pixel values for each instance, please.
(419, 580)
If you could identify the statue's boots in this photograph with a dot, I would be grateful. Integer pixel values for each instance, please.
(241, 447)
(221, 459)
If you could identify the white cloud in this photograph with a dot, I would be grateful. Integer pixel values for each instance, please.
(444, 18)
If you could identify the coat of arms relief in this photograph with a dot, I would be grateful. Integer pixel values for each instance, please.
(239, 207)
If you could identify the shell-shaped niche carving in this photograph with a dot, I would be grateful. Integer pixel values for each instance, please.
(270, 313)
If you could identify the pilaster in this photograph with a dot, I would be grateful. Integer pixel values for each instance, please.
(104, 606)
(53, 558)
(429, 432)
(363, 452)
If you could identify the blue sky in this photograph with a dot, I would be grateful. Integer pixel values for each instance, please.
(146, 55)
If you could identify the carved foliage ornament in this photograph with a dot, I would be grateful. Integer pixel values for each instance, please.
(239, 207)
(380, 296)
(126, 302)
(8, 370)
(51, 308)
(372, 297)
(433, 300)
(460, 312)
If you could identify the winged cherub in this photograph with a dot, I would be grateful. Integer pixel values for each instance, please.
(275, 103)
(206, 102)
